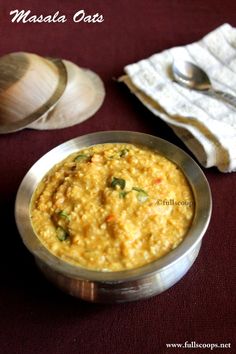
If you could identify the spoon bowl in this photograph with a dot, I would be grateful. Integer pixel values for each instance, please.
(193, 77)
(190, 75)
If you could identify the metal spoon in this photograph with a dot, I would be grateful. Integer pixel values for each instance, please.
(191, 76)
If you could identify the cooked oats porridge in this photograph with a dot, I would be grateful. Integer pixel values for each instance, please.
(112, 207)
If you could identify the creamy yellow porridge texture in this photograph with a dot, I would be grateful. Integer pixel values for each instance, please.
(112, 207)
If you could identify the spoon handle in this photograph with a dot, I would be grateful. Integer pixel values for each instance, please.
(224, 96)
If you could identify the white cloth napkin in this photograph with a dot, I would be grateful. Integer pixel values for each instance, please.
(206, 125)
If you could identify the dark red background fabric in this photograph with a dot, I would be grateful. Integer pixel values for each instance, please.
(37, 318)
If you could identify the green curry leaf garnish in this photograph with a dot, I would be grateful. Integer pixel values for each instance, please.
(124, 152)
(62, 234)
(118, 182)
(123, 194)
(64, 214)
(82, 157)
(142, 195)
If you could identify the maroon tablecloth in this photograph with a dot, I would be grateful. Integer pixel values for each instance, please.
(35, 317)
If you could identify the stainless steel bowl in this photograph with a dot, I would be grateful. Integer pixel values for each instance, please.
(143, 282)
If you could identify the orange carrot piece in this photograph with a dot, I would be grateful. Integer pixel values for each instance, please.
(110, 218)
(157, 180)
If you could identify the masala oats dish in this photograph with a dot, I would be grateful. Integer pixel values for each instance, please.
(112, 207)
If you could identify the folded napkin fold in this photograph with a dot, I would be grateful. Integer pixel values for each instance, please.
(206, 125)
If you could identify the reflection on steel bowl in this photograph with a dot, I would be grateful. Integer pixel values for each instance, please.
(119, 218)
